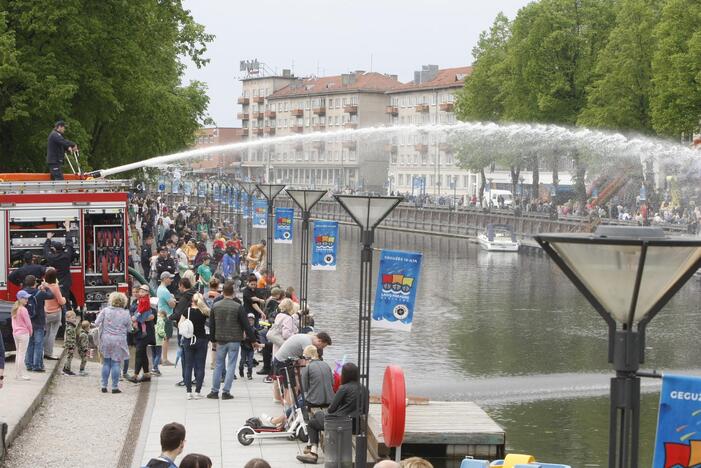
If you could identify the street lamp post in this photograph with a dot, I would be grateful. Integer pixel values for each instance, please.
(305, 200)
(627, 274)
(270, 191)
(250, 188)
(367, 212)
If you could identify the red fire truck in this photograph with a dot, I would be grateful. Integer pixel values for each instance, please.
(96, 213)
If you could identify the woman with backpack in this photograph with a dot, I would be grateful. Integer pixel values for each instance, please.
(195, 339)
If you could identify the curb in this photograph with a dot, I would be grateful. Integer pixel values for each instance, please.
(134, 443)
(24, 421)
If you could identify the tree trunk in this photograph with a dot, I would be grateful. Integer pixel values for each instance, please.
(535, 183)
(515, 173)
(556, 176)
(580, 188)
(483, 183)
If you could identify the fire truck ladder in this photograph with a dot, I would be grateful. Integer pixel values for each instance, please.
(65, 186)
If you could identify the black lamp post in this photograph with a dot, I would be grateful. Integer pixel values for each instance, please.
(305, 200)
(627, 274)
(250, 188)
(367, 212)
(270, 191)
(238, 209)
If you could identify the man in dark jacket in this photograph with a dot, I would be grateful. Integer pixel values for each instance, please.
(172, 445)
(165, 262)
(227, 324)
(29, 268)
(56, 148)
(60, 257)
(146, 254)
(34, 359)
(184, 296)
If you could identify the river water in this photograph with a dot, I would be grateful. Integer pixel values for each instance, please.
(507, 331)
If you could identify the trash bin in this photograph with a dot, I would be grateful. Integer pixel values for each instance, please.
(338, 445)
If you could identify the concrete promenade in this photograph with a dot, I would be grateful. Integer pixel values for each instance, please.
(26, 396)
(212, 424)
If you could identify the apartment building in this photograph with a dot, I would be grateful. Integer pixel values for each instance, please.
(425, 162)
(321, 104)
(226, 162)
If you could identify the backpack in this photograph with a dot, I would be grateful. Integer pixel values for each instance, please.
(32, 304)
(186, 328)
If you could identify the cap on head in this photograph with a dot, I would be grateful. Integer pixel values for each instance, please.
(60, 123)
(167, 275)
(144, 287)
(250, 315)
(22, 294)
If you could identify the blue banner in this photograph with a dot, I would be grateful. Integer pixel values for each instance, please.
(284, 219)
(232, 197)
(201, 189)
(175, 187)
(246, 207)
(678, 442)
(187, 187)
(237, 199)
(161, 185)
(224, 195)
(397, 283)
(216, 189)
(324, 245)
(260, 213)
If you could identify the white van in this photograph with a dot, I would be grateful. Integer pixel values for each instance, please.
(493, 197)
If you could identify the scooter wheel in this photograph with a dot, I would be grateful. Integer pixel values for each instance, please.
(302, 435)
(245, 435)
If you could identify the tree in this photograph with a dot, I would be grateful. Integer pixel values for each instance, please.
(620, 95)
(676, 66)
(111, 69)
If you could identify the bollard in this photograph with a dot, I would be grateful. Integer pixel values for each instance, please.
(338, 448)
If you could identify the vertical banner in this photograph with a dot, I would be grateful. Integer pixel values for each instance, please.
(201, 187)
(246, 208)
(324, 245)
(237, 199)
(175, 187)
(216, 192)
(187, 187)
(260, 213)
(678, 442)
(397, 283)
(284, 217)
(224, 195)
(232, 198)
(161, 185)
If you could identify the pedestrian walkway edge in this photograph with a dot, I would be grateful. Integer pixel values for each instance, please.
(137, 433)
(31, 409)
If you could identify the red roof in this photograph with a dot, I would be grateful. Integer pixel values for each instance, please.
(358, 82)
(445, 78)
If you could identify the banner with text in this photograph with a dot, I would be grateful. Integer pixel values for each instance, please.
(324, 245)
(201, 189)
(260, 213)
(678, 442)
(397, 283)
(161, 185)
(246, 207)
(284, 218)
(187, 187)
(175, 187)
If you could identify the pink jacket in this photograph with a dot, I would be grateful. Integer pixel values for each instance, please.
(51, 306)
(21, 323)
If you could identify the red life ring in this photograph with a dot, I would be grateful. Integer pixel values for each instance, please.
(393, 406)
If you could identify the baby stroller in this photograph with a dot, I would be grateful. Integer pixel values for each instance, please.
(295, 426)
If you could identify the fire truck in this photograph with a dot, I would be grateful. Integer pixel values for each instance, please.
(95, 212)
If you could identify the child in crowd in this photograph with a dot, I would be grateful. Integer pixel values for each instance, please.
(143, 308)
(247, 348)
(160, 336)
(83, 345)
(69, 341)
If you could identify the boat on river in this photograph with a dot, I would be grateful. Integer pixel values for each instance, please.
(498, 238)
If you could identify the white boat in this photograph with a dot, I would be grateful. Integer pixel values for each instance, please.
(499, 238)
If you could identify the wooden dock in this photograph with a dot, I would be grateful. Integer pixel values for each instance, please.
(447, 428)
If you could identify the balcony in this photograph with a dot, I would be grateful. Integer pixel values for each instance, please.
(421, 108)
(257, 115)
(350, 144)
(319, 127)
(350, 109)
(258, 99)
(270, 130)
(244, 101)
(259, 131)
(245, 132)
(269, 114)
(297, 129)
(318, 144)
(350, 125)
(242, 116)
(392, 149)
(392, 110)
(421, 148)
(297, 112)
(319, 111)
(447, 107)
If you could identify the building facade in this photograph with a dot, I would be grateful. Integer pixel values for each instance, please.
(223, 162)
(319, 105)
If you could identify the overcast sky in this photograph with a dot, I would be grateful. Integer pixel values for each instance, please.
(329, 37)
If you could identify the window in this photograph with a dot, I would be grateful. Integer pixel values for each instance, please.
(308, 121)
(345, 101)
(287, 105)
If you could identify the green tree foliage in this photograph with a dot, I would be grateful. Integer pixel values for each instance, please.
(112, 69)
(619, 97)
(676, 99)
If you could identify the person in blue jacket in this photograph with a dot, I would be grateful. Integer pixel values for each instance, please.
(230, 263)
